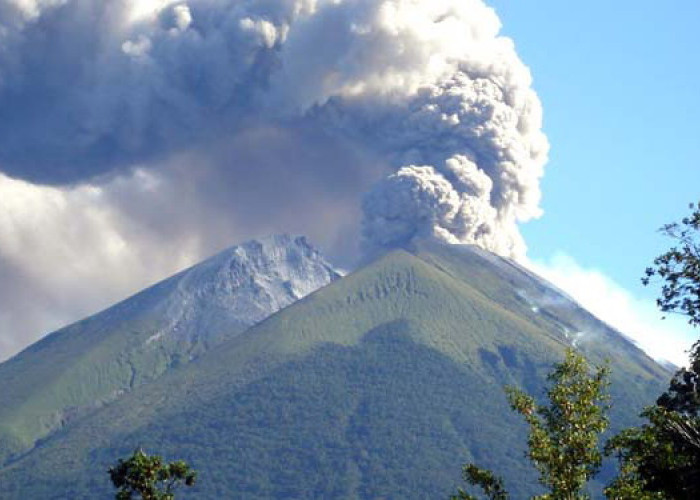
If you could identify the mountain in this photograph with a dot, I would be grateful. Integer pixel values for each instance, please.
(90, 363)
(379, 385)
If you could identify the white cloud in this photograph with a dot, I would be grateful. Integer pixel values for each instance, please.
(67, 252)
(634, 316)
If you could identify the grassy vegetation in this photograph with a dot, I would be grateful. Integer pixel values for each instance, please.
(379, 385)
(78, 369)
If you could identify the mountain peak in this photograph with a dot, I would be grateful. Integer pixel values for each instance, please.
(398, 365)
(137, 340)
(234, 289)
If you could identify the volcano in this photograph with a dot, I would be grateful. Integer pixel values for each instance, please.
(379, 384)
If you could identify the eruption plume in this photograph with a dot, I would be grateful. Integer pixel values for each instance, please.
(429, 86)
(258, 116)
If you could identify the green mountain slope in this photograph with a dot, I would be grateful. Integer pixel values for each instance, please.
(76, 370)
(378, 386)
(73, 372)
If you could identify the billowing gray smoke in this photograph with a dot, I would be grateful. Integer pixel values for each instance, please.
(429, 85)
(474, 154)
(191, 124)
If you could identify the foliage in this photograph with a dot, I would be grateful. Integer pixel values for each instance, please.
(679, 268)
(563, 439)
(683, 394)
(679, 271)
(661, 459)
(147, 476)
(485, 479)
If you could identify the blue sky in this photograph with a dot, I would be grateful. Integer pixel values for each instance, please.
(620, 87)
(141, 136)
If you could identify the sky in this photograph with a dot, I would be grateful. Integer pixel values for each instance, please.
(140, 136)
(619, 86)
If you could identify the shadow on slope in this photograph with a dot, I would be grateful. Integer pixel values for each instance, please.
(388, 418)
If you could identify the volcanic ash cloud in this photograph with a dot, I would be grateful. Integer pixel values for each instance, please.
(428, 89)
(449, 105)
(132, 129)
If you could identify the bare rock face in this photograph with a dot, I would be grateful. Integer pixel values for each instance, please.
(239, 287)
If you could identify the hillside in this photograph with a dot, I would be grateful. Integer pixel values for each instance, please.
(378, 385)
(78, 369)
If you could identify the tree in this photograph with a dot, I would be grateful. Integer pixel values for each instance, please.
(492, 485)
(563, 438)
(149, 477)
(679, 271)
(661, 459)
(679, 268)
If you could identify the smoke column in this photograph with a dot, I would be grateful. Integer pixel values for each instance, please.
(429, 85)
(134, 127)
